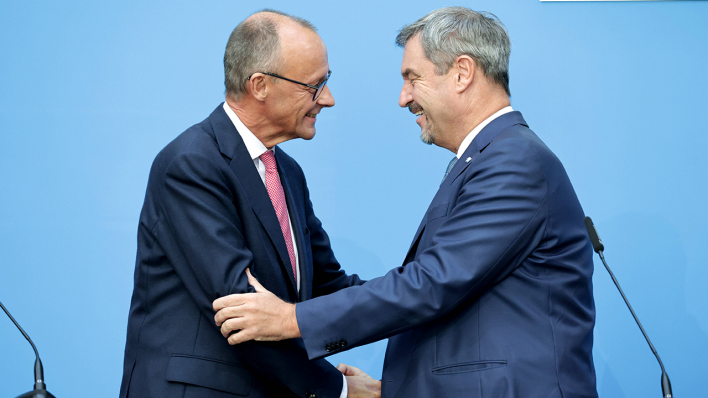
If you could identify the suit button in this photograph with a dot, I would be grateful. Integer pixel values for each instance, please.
(342, 343)
(310, 395)
(328, 347)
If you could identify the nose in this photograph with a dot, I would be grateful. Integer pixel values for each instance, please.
(325, 99)
(405, 96)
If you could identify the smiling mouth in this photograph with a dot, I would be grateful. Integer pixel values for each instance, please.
(415, 109)
(312, 115)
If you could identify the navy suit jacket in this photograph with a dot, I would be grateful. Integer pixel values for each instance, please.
(495, 295)
(206, 218)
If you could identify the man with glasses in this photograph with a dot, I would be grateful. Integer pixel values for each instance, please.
(223, 198)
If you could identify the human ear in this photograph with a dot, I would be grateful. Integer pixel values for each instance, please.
(257, 86)
(464, 69)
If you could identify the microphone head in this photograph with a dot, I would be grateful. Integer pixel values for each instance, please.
(594, 237)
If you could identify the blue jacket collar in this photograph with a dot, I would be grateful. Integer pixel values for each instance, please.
(482, 140)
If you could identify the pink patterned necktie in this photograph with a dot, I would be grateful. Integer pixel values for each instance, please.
(277, 196)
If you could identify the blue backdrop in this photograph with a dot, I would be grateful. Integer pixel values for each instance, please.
(91, 91)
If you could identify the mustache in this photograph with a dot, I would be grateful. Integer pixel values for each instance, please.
(413, 107)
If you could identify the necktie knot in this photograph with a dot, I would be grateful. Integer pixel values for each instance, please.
(449, 168)
(268, 159)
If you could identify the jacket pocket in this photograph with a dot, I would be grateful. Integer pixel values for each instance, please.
(209, 373)
(468, 367)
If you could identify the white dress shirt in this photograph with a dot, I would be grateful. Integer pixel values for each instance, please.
(468, 140)
(256, 148)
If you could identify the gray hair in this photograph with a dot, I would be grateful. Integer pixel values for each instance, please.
(254, 46)
(449, 32)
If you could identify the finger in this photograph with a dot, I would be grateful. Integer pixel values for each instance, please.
(349, 370)
(343, 368)
(227, 301)
(354, 371)
(254, 282)
(231, 325)
(236, 310)
(229, 312)
(220, 317)
(238, 338)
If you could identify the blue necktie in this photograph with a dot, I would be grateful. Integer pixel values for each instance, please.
(449, 167)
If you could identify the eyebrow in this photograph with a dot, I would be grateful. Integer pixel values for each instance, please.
(407, 73)
(321, 79)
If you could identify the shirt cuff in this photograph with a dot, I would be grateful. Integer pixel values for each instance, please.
(345, 390)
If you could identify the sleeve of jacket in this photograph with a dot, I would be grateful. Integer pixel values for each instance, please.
(204, 239)
(496, 220)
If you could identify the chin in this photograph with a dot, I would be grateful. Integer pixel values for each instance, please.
(306, 135)
(427, 135)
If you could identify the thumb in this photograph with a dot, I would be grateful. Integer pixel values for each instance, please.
(254, 282)
(348, 370)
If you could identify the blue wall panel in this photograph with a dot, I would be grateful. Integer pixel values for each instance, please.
(91, 91)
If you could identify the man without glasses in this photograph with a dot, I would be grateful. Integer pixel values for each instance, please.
(494, 297)
(221, 198)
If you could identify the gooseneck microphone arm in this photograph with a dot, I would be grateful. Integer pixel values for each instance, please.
(39, 386)
(599, 249)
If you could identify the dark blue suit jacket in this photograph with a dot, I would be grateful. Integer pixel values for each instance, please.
(206, 218)
(495, 295)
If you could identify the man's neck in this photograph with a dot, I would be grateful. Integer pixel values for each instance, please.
(474, 114)
(251, 118)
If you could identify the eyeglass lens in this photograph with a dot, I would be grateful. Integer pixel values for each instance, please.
(320, 87)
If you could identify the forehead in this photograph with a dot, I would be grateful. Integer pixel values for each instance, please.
(304, 52)
(414, 59)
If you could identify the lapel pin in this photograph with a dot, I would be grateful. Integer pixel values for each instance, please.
(468, 160)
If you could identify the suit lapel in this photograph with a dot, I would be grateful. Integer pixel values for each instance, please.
(443, 192)
(231, 145)
(478, 144)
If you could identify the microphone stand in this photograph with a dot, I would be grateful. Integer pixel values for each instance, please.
(599, 249)
(40, 389)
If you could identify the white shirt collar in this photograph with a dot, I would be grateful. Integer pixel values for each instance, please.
(254, 146)
(468, 140)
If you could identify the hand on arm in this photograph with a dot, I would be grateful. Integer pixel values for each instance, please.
(260, 316)
(207, 238)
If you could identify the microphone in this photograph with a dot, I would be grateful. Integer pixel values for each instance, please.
(599, 248)
(40, 389)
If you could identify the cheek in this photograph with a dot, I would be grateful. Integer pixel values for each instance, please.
(421, 94)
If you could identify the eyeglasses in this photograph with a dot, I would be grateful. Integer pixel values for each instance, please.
(318, 88)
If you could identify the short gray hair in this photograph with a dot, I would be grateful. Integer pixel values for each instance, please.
(254, 46)
(449, 32)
